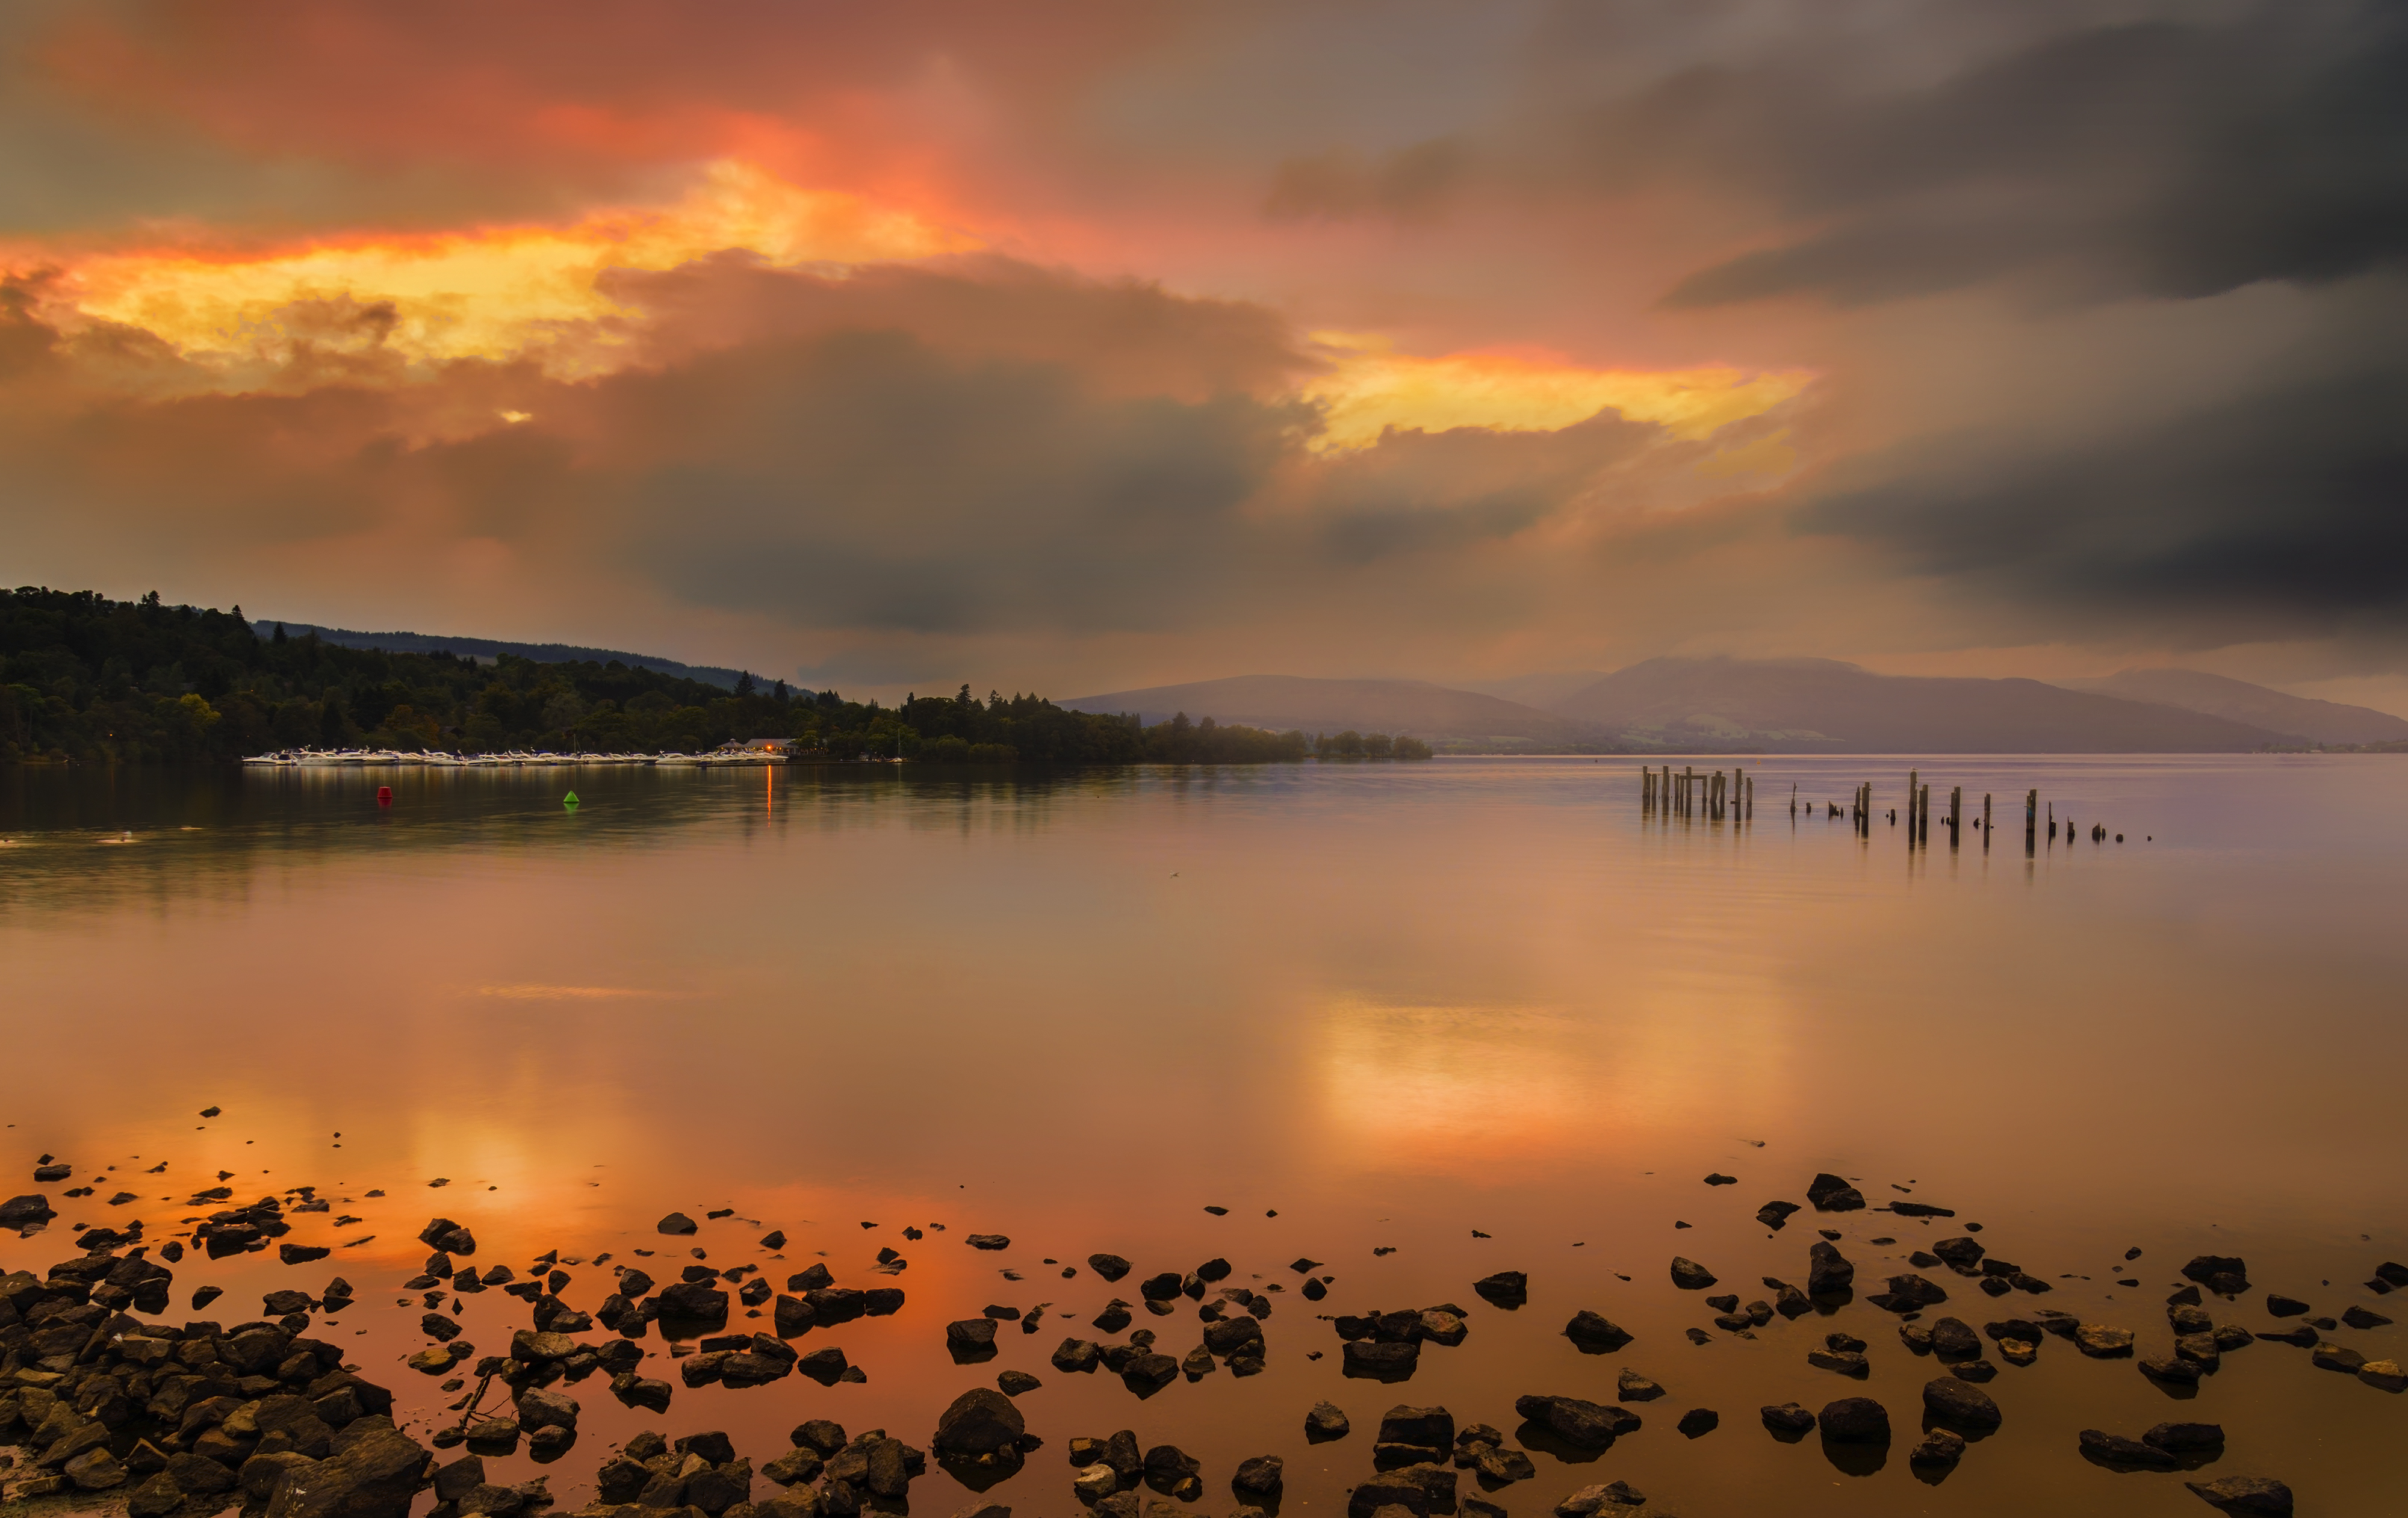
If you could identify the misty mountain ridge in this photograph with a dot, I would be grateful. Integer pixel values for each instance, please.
(1783, 705)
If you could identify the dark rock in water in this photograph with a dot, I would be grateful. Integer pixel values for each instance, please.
(2302, 1337)
(1843, 1362)
(1723, 1303)
(301, 1253)
(1973, 1370)
(1832, 1193)
(2338, 1357)
(2280, 1305)
(1213, 1270)
(1920, 1210)
(677, 1222)
(2115, 1450)
(1718, 1179)
(2184, 1438)
(2384, 1375)
(2259, 1496)
(1915, 1337)
(693, 1302)
(2170, 1368)
(1854, 1420)
(1325, 1421)
(1263, 1474)
(1698, 1336)
(1314, 1291)
(2194, 1319)
(1962, 1252)
(1507, 1289)
(1774, 1214)
(2200, 1350)
(1939, 1447)
(1588, 1425)
(1787, 1418)
(1634, 1387)
(1592, 1332)
(1161, 1288)
(979, 1422)
(1698, 1422)
(1953, 1400)
(1606, 1501)
(2204, 1268)
(2101, 1343)
(1954, 1337)
(2232, 1337)
(1827, 1271)
(1420, 1490)
(791, 1315)
(971, 1333)
(1690, 1276)
(825, 1365)
(1113, 1318)
(1239, 1335)
(1077, 1356)
(2358, 1317)
(1148, 1373)
(1109, 1267)
(1167, 1467)
(987, 1242)
(1383, 1361)
(1915, 1291)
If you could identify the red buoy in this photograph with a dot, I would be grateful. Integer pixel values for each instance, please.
(384, 796)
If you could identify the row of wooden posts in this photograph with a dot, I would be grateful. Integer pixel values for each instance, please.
(1715, 797)
(1712, 796)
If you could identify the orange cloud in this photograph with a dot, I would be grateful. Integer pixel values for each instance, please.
(495, 292)
(1368, 390)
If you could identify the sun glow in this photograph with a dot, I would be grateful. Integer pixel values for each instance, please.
(490, 292)
(1369, 389)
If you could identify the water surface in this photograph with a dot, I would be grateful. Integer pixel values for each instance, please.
(1391, 1005)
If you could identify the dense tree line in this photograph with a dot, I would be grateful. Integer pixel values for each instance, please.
(86, 679)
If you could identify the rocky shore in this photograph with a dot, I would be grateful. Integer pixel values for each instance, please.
(100, 1402)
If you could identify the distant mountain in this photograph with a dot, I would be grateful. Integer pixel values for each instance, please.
(1541, 690)
(1281, 702)
(488, 648)
(2218, 696)
(1820, 706)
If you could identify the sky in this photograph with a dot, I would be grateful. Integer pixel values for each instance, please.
(1092, 346)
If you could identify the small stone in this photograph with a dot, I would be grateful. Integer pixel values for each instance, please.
(1325, 1421)
(2358, 1317)
(1955, 1400)
(2280, 1305)
(2382, 1375)
(1842, 1361)
(1787, 1418)
(1939, 1447)
(2170, 1368)
(1698, 1422)
(2259, 1496)
(1634, 1387)
(987, 1242)
(2101, 1343)
(677, 1222)
(1690, 1276)
(2114, 1449)
(2339, 1358)
(1592, 1332)
(1016, 1383)
(1261, 1475)
(1832, 1193)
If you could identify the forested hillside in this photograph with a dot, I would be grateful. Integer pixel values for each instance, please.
(86, 679)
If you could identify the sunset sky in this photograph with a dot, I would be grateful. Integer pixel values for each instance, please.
(1080, 346)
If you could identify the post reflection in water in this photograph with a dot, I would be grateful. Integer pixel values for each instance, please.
(1371, 1007)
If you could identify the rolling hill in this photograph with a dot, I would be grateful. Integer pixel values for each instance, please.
(489, 648)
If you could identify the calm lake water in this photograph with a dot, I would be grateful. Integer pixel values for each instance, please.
(1391, 1005)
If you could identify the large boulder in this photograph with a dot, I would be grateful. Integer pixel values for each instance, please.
(373, 1472)
(1588, 1425)
(982, 1421)
(1854, 1420)
(1952, 1401)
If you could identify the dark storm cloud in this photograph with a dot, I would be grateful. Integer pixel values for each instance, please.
(2158, 158)
(2281, 515)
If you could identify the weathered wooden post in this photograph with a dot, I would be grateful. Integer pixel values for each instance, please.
(1985, 821)
(2031, 822)
(1956, 813)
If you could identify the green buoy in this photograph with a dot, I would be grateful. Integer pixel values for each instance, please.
(569, 801)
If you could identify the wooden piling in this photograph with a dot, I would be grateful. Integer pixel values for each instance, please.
(2031, 822)
(1956, 814)
(1985, 821)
